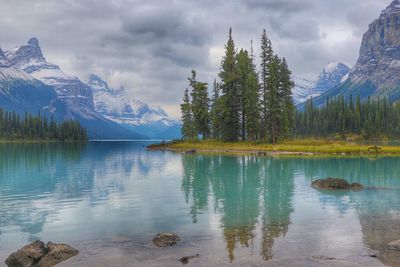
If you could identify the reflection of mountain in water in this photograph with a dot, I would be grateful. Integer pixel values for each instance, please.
(243, 188)
(37, 180)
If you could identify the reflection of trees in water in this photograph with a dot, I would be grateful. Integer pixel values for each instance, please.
(241, 187)
(278, 185)
(38, 180)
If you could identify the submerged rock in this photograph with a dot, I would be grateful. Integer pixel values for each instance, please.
(394, 245)
(39, 255)
(193, 151)
(356, 187)
(336, 184)
(331, 183)
(166, 239)
(185, 260)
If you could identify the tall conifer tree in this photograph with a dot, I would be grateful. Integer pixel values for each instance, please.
(230, 97)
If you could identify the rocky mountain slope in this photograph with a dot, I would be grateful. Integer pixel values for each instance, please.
(331, 76)
(377, 71)
(115, 105)
(29, 83)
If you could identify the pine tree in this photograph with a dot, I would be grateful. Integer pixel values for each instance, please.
(187, 129)
(230, 97)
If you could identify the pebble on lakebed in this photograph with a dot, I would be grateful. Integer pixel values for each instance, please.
(166, 239)
(38, 254)
(336, 184)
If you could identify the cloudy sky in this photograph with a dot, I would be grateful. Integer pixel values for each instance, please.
(149, 47)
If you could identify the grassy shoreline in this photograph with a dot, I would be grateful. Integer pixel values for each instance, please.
(302, 147)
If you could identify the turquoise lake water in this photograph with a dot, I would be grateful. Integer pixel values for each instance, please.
(109, 199)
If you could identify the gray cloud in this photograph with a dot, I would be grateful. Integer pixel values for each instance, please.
(149, 47)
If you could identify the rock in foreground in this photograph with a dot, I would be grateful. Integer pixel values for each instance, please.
(394, 245)
(336, 184)
(166, 239)
(39, 255)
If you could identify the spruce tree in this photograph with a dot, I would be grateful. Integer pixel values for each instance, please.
(187, 129)
(266, 57)
(216, 112)
(285, 99)
(230, 97)
(200, 106)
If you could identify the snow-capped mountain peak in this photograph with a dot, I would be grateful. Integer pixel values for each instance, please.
(33, 41)
(116, 105)
(69, 88)
(27, 57)
(331, 76)
(3, 60)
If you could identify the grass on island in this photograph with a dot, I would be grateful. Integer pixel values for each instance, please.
(313, 146)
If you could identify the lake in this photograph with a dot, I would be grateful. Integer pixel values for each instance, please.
(109, 199)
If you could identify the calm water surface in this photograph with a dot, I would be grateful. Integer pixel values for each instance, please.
(109, 199)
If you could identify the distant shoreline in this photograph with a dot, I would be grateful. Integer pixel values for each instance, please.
(307, 147)
(33, 141)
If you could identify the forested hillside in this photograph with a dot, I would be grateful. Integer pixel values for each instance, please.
(13, 126)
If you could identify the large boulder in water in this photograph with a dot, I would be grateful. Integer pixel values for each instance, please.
(57, 253)
(27, 256)
(336, 184)
(39, 255)
(166, 239)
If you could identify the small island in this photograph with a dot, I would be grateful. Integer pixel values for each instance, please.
(251, 111)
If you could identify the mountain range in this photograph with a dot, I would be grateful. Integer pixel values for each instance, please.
(29, 83)
(133, 114)
(377, 71)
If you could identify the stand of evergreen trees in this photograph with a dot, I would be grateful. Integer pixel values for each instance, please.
(12, 126)
(247, 104)
(371, 119)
